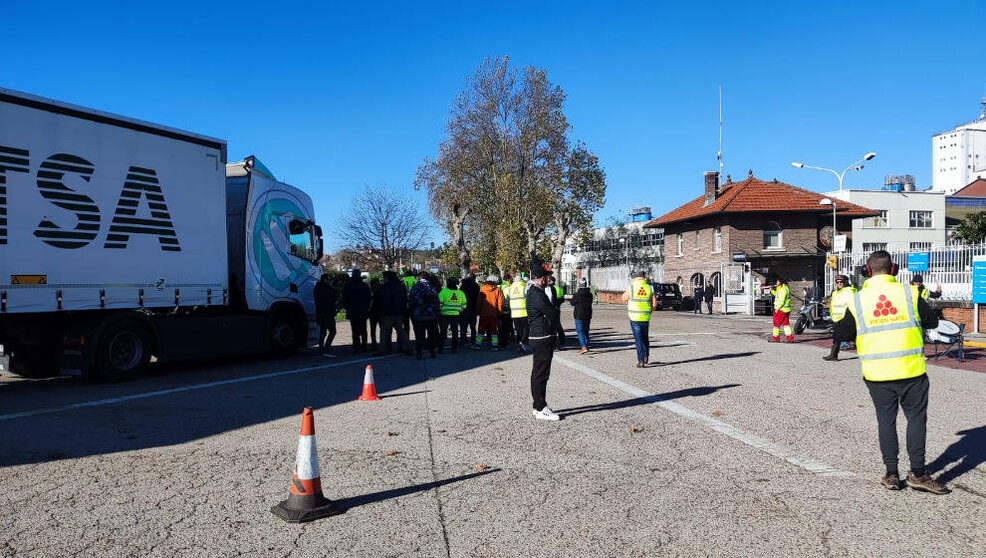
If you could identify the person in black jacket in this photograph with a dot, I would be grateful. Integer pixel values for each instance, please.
(708, 293)
(541, 316)
(423, 306)
(582, 301)
(467, 319)
(393, 308)
(699, 295)
(356, 301)
(325, 315)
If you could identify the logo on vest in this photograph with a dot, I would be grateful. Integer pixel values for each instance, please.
(642, 292)
(886, 311)
(455, 297)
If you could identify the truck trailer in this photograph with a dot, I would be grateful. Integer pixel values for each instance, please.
(123, 241)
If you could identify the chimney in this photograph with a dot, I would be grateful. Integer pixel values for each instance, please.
(711, 186)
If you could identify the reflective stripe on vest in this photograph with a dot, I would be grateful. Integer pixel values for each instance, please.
(452, 301)
(638, 305)
(782, 298)
(840, 302)
(889, 338)
(518, 300)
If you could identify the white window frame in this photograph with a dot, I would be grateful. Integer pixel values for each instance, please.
(917, 216)
(874, 222)
(780, 237)
(717, 240)
(697, 245)
(681, 245)
(874, 246)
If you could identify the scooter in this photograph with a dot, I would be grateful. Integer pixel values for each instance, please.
(813, 315)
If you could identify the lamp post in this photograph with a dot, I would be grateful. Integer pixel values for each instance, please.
(855, 166)
(828, 201)
(626, 252)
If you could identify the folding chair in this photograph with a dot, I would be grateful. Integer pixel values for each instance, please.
(952, 343)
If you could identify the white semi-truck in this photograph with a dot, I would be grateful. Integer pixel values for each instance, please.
(122, 240)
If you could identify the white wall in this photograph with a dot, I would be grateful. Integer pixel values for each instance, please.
(958, 157)
(898, 235)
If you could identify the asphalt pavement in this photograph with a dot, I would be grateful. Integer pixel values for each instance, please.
(729, 446)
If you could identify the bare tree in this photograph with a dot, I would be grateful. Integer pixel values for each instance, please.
(383, 227)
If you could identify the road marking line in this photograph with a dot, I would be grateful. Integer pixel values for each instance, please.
(158, 393)
(787, 454)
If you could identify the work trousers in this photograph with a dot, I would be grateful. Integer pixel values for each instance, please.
(425, 335)
(641, 338)
(467, 323)
(389, 324)
(544, 350)
(911, 395)
(326, 334)
(448, 323)
(521, 328)
(358, 325)
(582, 330)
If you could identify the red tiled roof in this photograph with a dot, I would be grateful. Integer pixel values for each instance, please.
(974, 189)
(753, 195)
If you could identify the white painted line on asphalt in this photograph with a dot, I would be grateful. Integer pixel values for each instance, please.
(787, 454)
(109, 401)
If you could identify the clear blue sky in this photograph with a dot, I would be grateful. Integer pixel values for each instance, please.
(332, 96)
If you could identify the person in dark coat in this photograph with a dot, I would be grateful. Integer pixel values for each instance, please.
(699, 295)
(325, 314)
(582, 301)
(356, 301)
(557, 296)
(374, 311)
(393, 308)
(467, 319)
(707, 294)
(423, 306)
(541, 315)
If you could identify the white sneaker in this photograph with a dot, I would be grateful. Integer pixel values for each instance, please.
(546, 414)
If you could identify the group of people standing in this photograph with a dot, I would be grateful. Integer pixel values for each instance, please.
(703, 294)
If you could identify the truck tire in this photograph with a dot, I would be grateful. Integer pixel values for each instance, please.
(282, 335)
(123, 351)
(800, 325)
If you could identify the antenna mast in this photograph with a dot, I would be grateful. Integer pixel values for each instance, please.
(719, 156)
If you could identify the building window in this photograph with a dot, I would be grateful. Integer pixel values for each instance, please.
(681, 244)
(880, 221)
(696, 241)
(921, 220)
(773, 236)
(869, 247)
(717, 240)
(920, 246)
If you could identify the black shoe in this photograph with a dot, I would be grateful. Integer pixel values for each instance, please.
(831, 358)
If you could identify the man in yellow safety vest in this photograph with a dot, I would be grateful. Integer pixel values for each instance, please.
(886, 318)
(782, 309)
(451, 303)
(518, 312)
(641, 301)
(838, 302)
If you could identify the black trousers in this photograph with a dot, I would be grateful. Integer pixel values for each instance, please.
(425, 335)
(326, 333)
(911, 395)
(559, 331)
(544, 350)
(522, 326)
(467, 321)
(505, 330)
(358, 325)
(448, 323)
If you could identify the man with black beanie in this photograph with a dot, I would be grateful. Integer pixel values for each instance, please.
(541, 316)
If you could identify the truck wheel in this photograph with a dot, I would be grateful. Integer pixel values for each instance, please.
(123, 352)
(800, 325)
(281, 334)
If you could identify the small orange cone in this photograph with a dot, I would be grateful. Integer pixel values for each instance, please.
(369, 389)
(305, 501)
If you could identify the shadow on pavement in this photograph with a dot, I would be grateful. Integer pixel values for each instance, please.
(713, 357)
(374, 497)
(690, 392)
(965, 455)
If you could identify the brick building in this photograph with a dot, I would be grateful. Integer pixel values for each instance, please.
(776, 227)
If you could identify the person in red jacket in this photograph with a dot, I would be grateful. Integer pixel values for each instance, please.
(489, 305)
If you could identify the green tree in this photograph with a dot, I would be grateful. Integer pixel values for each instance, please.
(578, 195)
(972, 229)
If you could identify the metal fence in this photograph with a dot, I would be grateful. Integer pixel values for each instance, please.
(616, 278)
(949, 266)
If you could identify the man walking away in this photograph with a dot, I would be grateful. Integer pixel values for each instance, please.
(541, 317)
(641, 301)
(325, 315)
(423, 304)
(393, 308)
(582, 301)
(840, 300)
(886, 319)
(356, 301)
(518, 312)
(451, 301)
(467, 319)
(782, 309)
(489, 305)
(558, 298)
(708, 293)
(699, 295)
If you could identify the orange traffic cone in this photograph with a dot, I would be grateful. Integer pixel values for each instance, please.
(369, 390)
(305, 501)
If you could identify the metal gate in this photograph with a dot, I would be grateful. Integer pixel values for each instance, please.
(737, 288)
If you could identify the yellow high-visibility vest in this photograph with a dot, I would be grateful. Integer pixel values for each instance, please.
(840, 301)
(889, 338)
(453, 302)
(518, 300)
(638, 305)
(782, 298)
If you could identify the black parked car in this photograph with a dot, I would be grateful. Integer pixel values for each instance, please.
(668, 296)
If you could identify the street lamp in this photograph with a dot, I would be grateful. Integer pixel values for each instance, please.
(827, 201)
(626, 251)
(855, 166)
